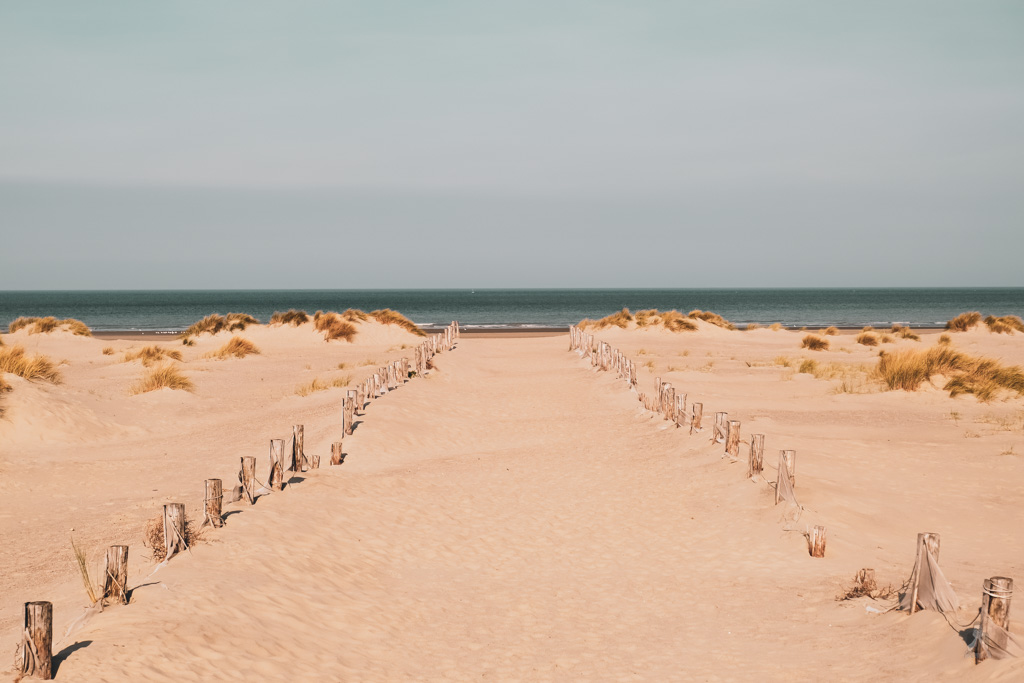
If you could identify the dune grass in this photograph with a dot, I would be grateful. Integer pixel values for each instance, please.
(830, 331)
(151, 354)
(14, 360)
(108, 351)
(49, 324)
(354, 315)
(984, 377)
(386, 316)
(334, 326)
(867, 339)
(1006, 324)
(709, 317)
(214, 323)
(322, 385)
(776, 327)
(239, 347)
(753, 326)
(886, 338)
(153, 536)
(964, 321)
(814, 343)
(158, 378)
(945, 339)
(904, 332)
(289, 317)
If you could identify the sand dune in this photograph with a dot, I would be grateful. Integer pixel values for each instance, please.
(517, 516)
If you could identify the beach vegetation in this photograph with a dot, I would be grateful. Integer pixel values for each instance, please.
(151, 354)
(830, 331)
(153, 536)
(814, 343)
(386, 316)
(964, 321)
(14, 360)
(108, 351)
(710, 317)
(867, 339)
(1006, 324)
(289, 317)
(904, 332)
(318, 384)
(808, 366)
(239, 347)
(214, 323)
(753, 326)
(867, 328)
(776, 327)
(334, 326)
(886, 338)
(620, 319)
(164, 376)
(784, 361)
(984, 377)
(945, 339)
(49, 324)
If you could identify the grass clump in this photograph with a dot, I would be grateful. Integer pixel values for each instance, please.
(239, 347)
(964, 321)
(151, 354)
(1006, 324)
(886, 338)
(776, 327)
(321, 385)
(814, 343)
(386, 316)
(830, 331)
(161, 377)
(753, 326)
(14, 360)
(808, 366)
(619, 319)
(108, 351)
(153, 536)
(49, 324)
(867, 339)
(334, 326)
(289, 317)
(214, 323)
(904, 332)
(945, 339)
(983, 377)
(709, 317)
(784, 361)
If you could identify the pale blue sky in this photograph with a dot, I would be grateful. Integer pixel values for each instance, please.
(568, 144)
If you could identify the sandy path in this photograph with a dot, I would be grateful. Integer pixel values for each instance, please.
(512, 517)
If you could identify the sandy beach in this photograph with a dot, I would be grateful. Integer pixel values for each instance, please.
(512, 515)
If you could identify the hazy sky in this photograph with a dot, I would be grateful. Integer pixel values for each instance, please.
(404, 144)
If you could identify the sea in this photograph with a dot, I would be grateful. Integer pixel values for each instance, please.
(174, 310)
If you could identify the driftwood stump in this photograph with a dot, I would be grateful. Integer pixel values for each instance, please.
(276, 464)
(695, 420)
(213, 507)
(756, 461)
(996, 593)
(732, 439)
(817, 541)
(115, 580)
(247, 478)
(336, 455)
(174, 529)
(37, 641)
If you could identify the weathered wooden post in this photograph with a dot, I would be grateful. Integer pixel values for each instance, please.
(818, 541)
(720, 431)
(668, 401)
(213, 503)
(787, 468)
(657, 394)
(996, 593)
(115, 580)
(174, 529)
(298, 455)
(679, 416)
(336, 455)
(348, 409)
(37, 641)
(247, 478)
(927, 542)
(695, 420)
(314, 462)
(277, 464)
(353, 399)
(732, 441)
(756, 461)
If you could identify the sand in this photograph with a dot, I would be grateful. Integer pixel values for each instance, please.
(512, 516)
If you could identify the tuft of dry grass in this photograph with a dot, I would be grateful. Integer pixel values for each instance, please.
(886, 339)
(163, 376)
(239, 347)
(945, 339)
(867, 339)
(151, 354)
(776, 327)
(92, 589)
(983, 377)
(619, 319)
(709, 317)
(153, 536)
(386, 316)
(320, 385)
(814, 343)
(830, 331)
(354, 315)
(14, 361)
(49, 324)
(753, 326)
(903, 332)
(867, 328)
(964, 321)
(108, 350)
(334, 326)
(808, 366)
(289, 317)
(784, 361)
(1006, 324)
(214, 323)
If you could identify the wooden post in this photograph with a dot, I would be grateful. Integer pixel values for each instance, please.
(657, 394)
(174, 529)
(996, 593)
(213, 504)
(314, 462)
(37, 641)
(787, 467)
(277, 464)
(720, 432)
(298, 451)
(668, 402)
(732, 441)
(926, 542)
(680, 413)
(698, 414)
(818, 541)
(756, 461)
(247, 478)
(336, 455)
(115, 580)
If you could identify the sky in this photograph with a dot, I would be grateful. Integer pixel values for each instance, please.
(511, 144)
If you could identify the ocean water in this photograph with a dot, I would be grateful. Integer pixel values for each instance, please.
(176, 310)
